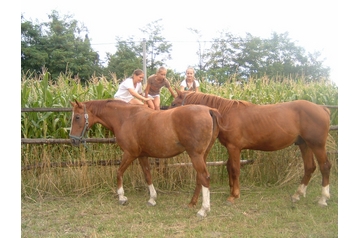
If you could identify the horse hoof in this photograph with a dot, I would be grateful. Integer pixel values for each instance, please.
(190, 205)
(201, 214)
(123, 202)
(295, 198)
(151, 203)
(230, 201)
(322, 203)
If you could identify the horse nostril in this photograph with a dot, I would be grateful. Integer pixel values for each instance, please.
(75, 142)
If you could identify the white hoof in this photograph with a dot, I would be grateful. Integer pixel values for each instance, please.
(202, 213)
(123, 200)
(151, 202)
(295, 198)
(322, 202)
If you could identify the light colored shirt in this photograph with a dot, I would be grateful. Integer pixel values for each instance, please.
(192, 87)
(123, 92)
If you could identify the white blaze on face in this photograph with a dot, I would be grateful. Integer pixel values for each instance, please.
(71, 121)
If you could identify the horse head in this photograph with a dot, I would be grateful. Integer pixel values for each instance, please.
(180, 99)
(79, 123)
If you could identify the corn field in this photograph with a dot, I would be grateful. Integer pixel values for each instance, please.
(63, 169)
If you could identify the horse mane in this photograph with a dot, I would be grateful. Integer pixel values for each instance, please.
(97, 106)
(222, 104)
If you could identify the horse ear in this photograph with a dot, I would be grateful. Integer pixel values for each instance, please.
(74, 103)
(178, 92)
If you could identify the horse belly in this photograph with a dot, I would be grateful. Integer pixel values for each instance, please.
(162, 148)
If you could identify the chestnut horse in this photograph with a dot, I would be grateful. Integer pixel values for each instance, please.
(269, 128)
(142, 132)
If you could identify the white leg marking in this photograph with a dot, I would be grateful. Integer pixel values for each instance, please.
(122, 199)
(153, 195)
(206, 203)
(301, 190)
(325, 195)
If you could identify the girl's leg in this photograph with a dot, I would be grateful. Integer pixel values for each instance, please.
(157, 103)
(135, 101)
(151, 104)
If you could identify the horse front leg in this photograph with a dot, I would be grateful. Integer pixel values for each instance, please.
(126, 161)
(233, 168)
(309, 168)
(144, 163)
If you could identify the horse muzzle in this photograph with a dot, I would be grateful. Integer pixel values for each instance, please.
(75, 140)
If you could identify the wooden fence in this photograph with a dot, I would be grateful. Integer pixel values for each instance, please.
(92, 140)
(105, 140)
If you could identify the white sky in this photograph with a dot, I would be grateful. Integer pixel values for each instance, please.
(314, 25)
(326, 26)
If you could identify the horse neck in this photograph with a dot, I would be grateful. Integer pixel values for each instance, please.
(105, 115)
(222, 104)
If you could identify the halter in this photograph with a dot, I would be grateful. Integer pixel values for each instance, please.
(84, 128)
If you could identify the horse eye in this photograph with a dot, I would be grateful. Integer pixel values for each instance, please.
(77, 117)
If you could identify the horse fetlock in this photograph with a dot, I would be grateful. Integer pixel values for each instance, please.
(325, 195)
(325, 192)
(301, 191)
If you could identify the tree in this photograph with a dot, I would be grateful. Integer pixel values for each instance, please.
(219, 59)
(126, 59)
(33, 57)
(158, 50)
(242, 58)
(61, 45)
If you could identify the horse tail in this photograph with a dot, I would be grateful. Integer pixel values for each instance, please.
(326, 109)
(217, 120)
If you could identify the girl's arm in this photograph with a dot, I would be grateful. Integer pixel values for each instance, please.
(137, 95)
(147, 90)
(172, 92)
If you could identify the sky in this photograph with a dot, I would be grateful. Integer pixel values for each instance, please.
(313, 25)
(326, 26)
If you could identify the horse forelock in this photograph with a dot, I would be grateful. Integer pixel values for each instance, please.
(222, 104)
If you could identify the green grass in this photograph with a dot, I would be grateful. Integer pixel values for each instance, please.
(260, 212)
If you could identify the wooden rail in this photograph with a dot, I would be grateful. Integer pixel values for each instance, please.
(93, 140)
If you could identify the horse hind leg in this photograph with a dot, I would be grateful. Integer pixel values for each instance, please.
(325, 168)
(144, 164)
(198, 186)
(309, 168)
(202, 178)
(233, 168)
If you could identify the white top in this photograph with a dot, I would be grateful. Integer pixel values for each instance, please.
(123, 92)
(183, 83)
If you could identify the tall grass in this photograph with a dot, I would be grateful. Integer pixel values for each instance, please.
(45, 175)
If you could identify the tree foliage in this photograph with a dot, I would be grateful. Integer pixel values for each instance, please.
(278, 56)
(127, 58)
(61, 45)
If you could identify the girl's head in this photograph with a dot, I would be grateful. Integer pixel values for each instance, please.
(138, 75)
(190, 73)
(161, 72)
